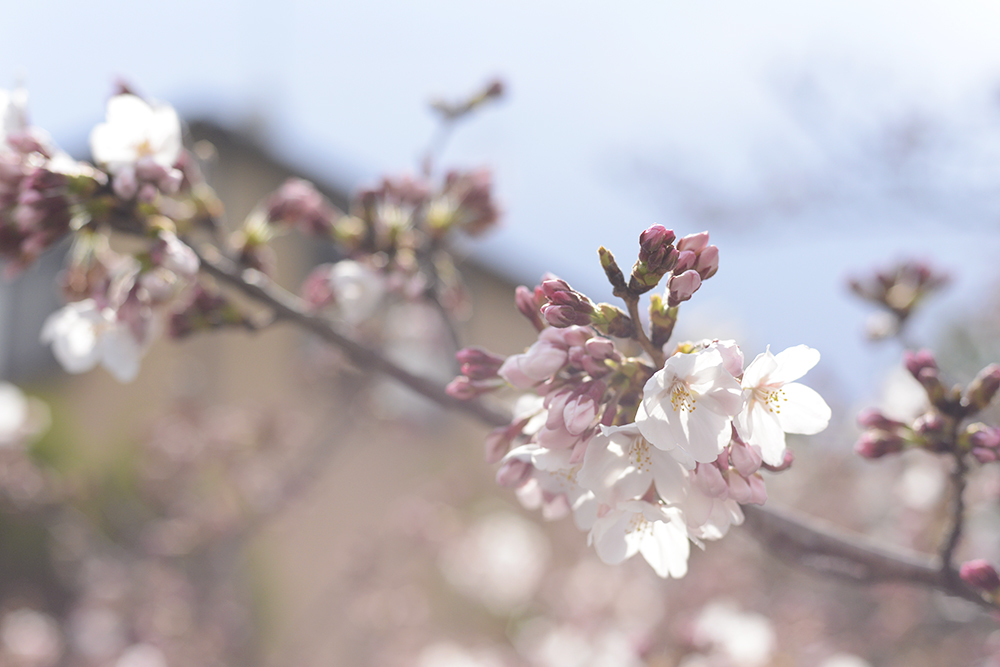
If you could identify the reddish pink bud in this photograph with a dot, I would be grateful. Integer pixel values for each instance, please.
(514, 472)
(980, 574)
(498, 443)
(526, 302)
(919, 362)
(873, 418)
(708, 262)
(739, 488)
(681, 287)
(875, 444)
(686, 261)
(709, 479)
(758, 491)
(693, 242)
(479, 364)
(745, 459)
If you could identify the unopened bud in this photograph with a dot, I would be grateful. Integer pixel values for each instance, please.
(498, 443)
(980, 574)
(873, 418)
(708, 262)
(612, 321)
(785, 464)
(875, 444)
(479, 364)
(682, 287)
(526, 302)
(657, 256)
(693, 242)
(613, 272)
(745, 459)
(710, 480)
(983, 388)
(514, 472)
(758, 491)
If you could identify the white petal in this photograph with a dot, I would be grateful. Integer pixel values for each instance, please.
(759, 369)
(793, 363)
(766, 433)
(803, 410)
(608, 537)
(120, 353)
(666, 549)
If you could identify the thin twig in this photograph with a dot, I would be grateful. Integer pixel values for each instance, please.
(290, 308)
(640, 334)
(958, 480)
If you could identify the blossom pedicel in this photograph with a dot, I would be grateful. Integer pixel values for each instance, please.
(648, 451)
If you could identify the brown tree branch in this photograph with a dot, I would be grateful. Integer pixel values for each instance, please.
(288, 307)
(803, 540)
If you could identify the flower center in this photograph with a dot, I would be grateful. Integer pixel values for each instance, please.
(639, 524)
(639, 455)
(681, 398)
(771, 398)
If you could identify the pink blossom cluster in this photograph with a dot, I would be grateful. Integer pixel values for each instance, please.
(39, 185)
(648, 451)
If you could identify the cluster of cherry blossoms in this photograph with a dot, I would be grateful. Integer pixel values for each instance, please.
(146, 191)
(650, 445)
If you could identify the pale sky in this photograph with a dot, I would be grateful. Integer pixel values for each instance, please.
(811, 139)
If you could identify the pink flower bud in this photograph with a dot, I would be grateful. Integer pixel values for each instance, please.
(524, 298)
(980, 574)
(873, 418)
(681, 287)
(708, 262)
(479, 364)
(686, 261)
(758, 491)
(514, 472)
(498, 443)
(693, 242)
(580, 413)
(875, 444)
(919, 362)
(739, 488)
(746, 459)
(710, 480)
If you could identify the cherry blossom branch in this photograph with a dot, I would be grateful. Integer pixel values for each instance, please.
(800, 539)
(958, 481)
(656, 354)
(290, 308)
(823, 548)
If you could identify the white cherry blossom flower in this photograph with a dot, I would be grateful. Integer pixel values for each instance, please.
(83, 335)
(637, 526)
(621, 465)
(689, 405)
(776, 405)
(135, 130)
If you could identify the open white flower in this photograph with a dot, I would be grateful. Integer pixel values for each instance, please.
(689, 404)
(655, 531)
(776, 405)
(620, 465)
(83, 335)
(134, 130)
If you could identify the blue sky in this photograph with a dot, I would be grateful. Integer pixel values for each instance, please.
(812, 139)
